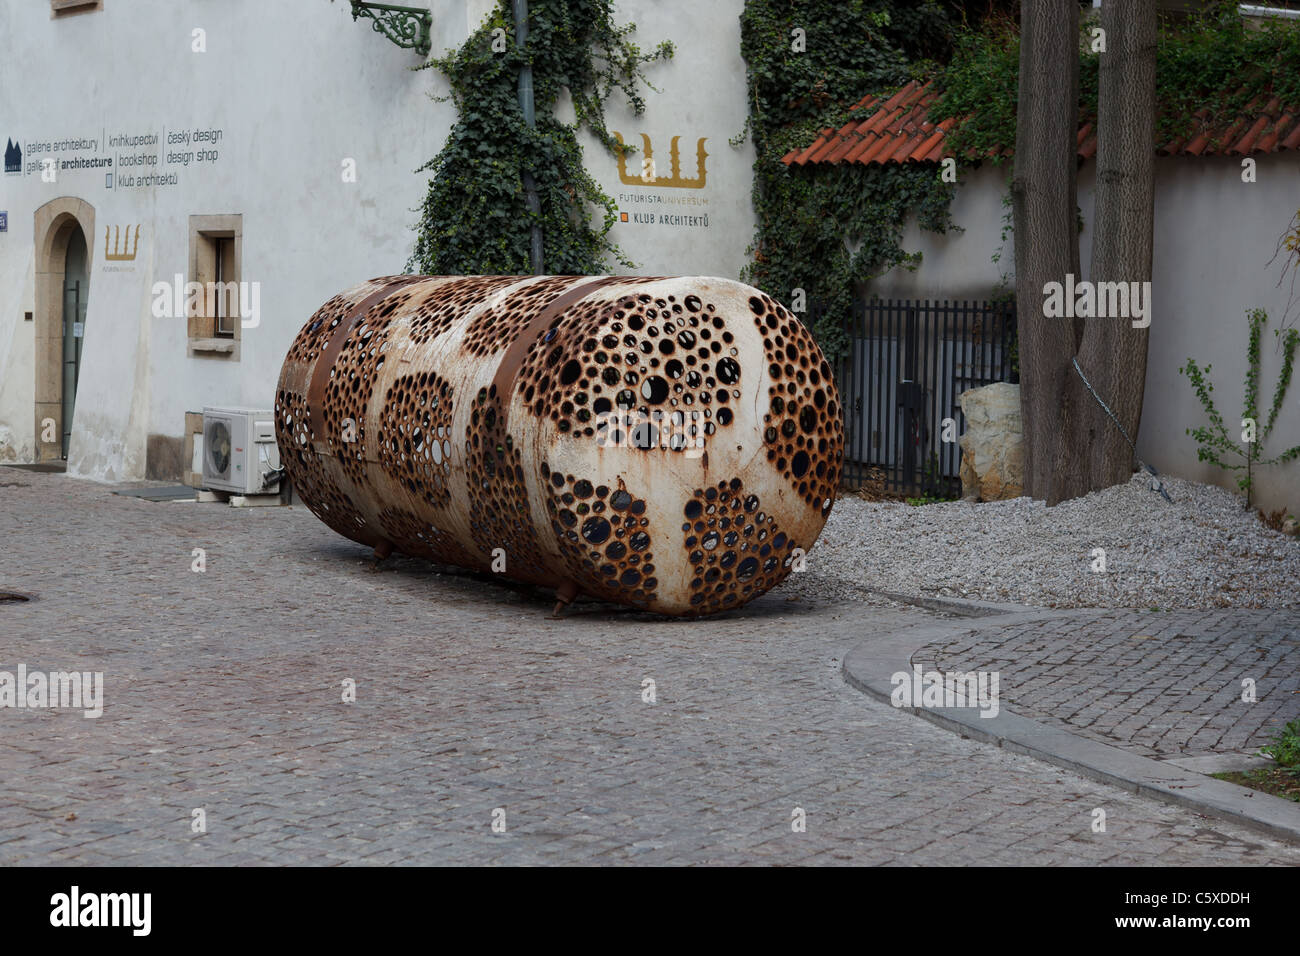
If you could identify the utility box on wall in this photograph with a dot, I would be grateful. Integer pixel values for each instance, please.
(239, 451)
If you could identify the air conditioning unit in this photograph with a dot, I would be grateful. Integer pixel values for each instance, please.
(239, 451)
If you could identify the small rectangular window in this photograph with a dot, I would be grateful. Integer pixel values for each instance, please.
(227, 311)
(214, 320)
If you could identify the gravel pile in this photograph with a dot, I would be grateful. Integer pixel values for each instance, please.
(1202, 551)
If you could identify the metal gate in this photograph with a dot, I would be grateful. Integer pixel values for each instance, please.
(906, 364)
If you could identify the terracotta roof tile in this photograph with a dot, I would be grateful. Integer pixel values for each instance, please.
(812, 150)
(922, 152)
(899, 130)
(1197, 145)
(872, 149)
(1268, 143)
(1242, 148)
(1292, 140)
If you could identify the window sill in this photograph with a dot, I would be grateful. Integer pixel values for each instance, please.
(64, 8)
(222, 346)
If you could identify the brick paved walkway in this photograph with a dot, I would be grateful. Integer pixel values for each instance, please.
(1159, 683)
(223, 693)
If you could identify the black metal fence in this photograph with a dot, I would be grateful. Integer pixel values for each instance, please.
(906, 364)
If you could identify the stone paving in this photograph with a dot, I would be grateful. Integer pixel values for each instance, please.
(223, 693)
(1159, 683)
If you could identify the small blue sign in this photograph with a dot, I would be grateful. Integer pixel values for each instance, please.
(4, 221)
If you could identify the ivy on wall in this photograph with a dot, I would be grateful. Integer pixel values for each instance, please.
(823, 229)
(827, 229)
(1213, 63)
(474, 219)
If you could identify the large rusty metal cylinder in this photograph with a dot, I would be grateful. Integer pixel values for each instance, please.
(673, 444)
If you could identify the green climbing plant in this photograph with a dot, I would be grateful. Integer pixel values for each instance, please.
(474, 219)
(1210, 67)
(830, 230)
(825, 230)
(1214, 443)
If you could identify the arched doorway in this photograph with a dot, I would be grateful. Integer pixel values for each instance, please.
(64, 255)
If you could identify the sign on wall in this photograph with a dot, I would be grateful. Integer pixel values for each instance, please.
(685, 211)
(153, 157)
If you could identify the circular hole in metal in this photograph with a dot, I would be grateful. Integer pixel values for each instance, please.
(595, 530)
(808, 419)
(654, 390)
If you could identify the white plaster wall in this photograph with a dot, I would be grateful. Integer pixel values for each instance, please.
(17, 294)
(1214, 236)
(110, 423)
(296, 87)
(17, 344)
(958, 264)
(702, 94)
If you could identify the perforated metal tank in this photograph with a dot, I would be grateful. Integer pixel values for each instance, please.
(666, 443)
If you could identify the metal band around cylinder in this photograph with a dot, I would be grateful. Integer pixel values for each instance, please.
(508, 370)
(329, 354)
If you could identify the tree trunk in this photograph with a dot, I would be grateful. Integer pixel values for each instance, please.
(1044, 205)
(1071, 445)
(1113, 354)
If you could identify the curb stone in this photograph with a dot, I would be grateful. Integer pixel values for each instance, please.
(958, 607)
(869, 665)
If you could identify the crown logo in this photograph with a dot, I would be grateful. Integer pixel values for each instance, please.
(674, 178)
(125, 254)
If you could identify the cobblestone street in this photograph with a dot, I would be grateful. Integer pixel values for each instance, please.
(223, 692)
(1158, 683)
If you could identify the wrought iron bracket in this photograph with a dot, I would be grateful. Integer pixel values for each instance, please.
(408, 27)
